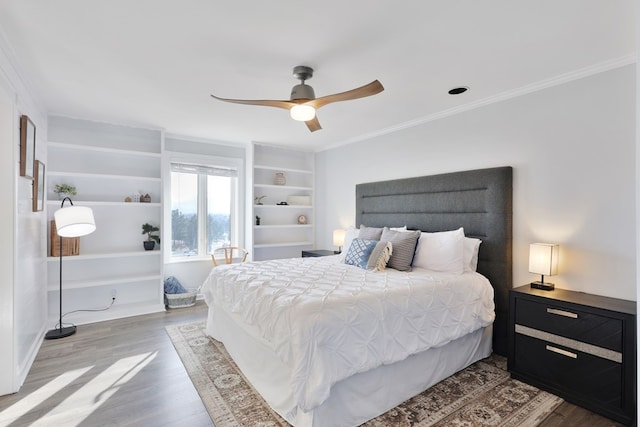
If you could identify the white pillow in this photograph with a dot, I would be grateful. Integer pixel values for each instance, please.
(441, 251)
(349, 235)
(471, 248)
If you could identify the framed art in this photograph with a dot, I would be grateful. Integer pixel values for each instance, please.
(27, 147)
(38, 186)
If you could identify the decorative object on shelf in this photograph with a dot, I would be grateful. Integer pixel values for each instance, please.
(136, 198)
(338, 239)
(302, 219)
(64, 190)
(73, 221)
(258, 200)
(70, 245)
(145, 199)
(27, 147)
(152, 239)
(543, 260)
(282, 204)
(299, 200)
(127, 199)
(280, 179)
(38, 187)
(257, 220)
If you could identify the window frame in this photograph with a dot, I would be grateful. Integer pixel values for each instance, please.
(237, 199)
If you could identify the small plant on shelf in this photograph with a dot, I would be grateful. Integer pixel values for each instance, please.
(65, 190)
(152, 238)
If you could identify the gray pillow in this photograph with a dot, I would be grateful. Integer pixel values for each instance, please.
(369, 233)
(404, 246)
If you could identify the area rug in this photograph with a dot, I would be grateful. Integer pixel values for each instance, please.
(483, 394)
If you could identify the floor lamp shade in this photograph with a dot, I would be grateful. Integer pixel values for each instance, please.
(72, 221)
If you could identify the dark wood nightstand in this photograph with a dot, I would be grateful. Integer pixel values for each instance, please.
(578, 346)
(317, 252)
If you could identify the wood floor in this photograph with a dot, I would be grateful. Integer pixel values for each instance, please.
(126, 373)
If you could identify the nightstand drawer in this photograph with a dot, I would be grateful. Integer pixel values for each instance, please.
(579, 325)
(569, 371)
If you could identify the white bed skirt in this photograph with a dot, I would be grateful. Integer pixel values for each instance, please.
(353, 400)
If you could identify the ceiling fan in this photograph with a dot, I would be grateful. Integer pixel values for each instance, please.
(303, 103)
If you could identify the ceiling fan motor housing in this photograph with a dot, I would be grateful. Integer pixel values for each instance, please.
(302, 91)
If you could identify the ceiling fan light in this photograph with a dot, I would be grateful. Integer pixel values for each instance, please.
(302, 112)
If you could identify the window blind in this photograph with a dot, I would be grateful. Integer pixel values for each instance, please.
(204, 169)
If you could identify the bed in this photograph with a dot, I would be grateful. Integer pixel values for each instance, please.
(331, 344)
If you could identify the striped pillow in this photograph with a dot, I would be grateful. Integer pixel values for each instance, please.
(404, 245)
(368, 254)
(369, 233)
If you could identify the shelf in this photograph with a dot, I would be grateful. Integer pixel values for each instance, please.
(117, 311)
(283, 226)
(95, 203)
(281, 245)
(102, 176)
(288, 170)
(283, 187)
(60, 145)
(82, 284)
(105, 256)
(284, 206)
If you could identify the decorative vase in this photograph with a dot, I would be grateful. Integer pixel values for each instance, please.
(149, 245)
(280, 179)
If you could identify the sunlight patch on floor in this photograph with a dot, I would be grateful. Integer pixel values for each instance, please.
(40, 395)
(74, 409)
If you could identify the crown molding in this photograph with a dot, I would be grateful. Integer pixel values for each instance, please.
(523, 90)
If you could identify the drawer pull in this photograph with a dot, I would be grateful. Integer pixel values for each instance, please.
(562, 352)
(562, 313)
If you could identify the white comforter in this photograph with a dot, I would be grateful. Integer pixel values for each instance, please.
(328, 321)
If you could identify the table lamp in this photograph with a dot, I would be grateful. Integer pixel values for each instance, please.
(338, 239)
(543, 260)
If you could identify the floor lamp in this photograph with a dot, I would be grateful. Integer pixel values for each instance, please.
(72, 221)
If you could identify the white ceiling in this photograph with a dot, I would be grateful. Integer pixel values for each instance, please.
(153, 63)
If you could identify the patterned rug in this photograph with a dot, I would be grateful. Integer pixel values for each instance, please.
(483, 394)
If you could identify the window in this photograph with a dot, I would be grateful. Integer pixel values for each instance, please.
(203, 209)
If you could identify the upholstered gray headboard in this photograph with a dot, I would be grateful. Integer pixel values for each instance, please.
(478, 200)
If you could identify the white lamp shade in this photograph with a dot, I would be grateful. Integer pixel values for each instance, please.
(543, 259)
(338, 237)
(74, 221)
(302, 112)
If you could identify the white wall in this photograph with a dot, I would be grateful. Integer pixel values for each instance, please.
(572, 148)
(23, 309)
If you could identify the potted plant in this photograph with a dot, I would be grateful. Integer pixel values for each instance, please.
(149, 229)
(64, 190)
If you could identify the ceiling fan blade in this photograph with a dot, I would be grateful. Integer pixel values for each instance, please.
(366, 90)
(313, 124)
(263, 102)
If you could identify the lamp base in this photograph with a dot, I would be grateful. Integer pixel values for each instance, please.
(543, 285)
(54, 334)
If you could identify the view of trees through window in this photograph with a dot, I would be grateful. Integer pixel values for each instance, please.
(201, 212)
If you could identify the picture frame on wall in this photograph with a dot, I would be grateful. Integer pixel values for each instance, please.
(38, 186)
(27, 147)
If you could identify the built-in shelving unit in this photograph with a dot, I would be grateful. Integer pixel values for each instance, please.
(107, 164)
(279, 234)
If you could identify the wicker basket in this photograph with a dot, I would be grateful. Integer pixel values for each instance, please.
(186, 299)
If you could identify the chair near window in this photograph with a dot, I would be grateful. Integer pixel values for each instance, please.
(230, 252)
